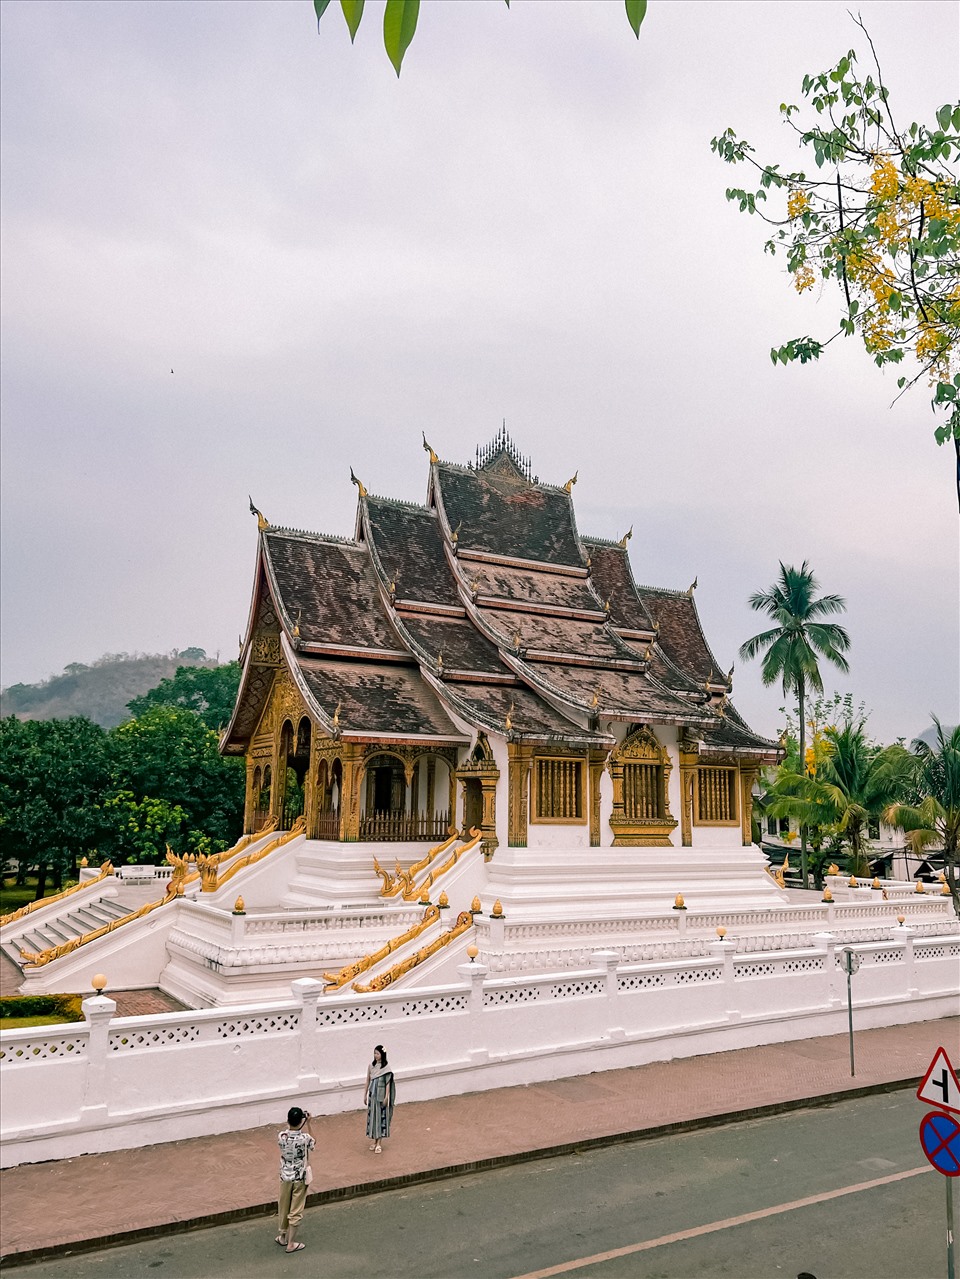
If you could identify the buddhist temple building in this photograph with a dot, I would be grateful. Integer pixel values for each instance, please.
(476, 662)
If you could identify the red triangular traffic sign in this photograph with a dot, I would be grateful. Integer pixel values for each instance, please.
(939, 1086)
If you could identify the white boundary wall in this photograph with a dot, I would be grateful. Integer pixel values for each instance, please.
(112, 1083)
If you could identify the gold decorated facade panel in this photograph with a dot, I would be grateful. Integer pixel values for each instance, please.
(640, 771)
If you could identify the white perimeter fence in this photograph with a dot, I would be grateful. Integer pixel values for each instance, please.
(112, 1083)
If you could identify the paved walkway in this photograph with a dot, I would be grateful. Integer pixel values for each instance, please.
(97, 1199)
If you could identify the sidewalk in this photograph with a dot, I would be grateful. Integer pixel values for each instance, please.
(96, 1199)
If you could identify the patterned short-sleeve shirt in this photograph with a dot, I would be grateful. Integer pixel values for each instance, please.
(295, 1147)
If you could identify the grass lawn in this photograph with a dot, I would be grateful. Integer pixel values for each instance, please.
(13, 897)
(17, 1023)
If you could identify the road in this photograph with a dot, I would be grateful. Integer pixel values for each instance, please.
(841, 1192)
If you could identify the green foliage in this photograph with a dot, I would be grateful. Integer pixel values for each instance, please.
(169, 754)
(53, 774)
(68, 789)
(99, 691)
(209, 691)
(848, 782)
(930, 817)
(882, 224)
(400, 22)
(52, 1008)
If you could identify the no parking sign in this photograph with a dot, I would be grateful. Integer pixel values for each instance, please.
(940, 1132)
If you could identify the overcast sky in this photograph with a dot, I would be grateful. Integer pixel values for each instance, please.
(528, 225)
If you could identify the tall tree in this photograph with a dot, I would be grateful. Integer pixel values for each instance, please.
(793, 646)
(933, 816)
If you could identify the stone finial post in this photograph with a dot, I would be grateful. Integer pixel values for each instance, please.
(904, 935)
(306, 992)
(607, 961)
(98, 1011)
(826, 943)
(726, 951)
(475, 974)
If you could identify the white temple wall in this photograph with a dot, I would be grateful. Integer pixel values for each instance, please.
(110, 1084)
(565, 837)
(606, 809)
(498, 746)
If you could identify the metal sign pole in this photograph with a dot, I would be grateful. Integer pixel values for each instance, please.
(951, 1268)
(851, 962)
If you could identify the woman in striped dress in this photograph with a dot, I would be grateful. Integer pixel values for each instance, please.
(379, 1096)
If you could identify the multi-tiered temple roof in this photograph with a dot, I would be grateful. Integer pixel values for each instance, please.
(484, 609)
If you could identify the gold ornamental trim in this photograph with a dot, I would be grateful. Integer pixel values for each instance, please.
(402, 880)
(105, 871)
(336, 980)
(251, 859)
(464, 924)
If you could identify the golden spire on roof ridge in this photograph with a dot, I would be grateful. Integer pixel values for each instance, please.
(595, 700)
(336, 715)
(262, 521)
(508, 722)
(570, 483)
(296, 625)
(433, 457)
(692, 587)
(455, 535)
(626, 537)
(730, 674)
(355, 480)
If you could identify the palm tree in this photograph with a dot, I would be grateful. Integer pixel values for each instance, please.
(791, 647)
(935, 816)
(855, 783)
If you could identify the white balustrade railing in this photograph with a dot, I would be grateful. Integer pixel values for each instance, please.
(109, 1083)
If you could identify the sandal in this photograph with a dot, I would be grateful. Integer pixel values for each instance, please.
(297, 1247)
(378, 1149)
(281, 1241)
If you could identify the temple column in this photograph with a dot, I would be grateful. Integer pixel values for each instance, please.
(748, 776)
(248, 796)
(353, 775)
(519, 758)
(688, 777)
(597, 762)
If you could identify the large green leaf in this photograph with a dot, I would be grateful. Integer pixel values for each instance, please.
(399, 24)
(636, 12)
(353, 12)
(320, 7)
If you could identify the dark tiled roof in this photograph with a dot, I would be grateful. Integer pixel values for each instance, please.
(732, 732)
(332, 588)
(564, 635)
(409, 545)
(375, 699)
(463, 647)
(508, 516)
(530, 587)
(681, 635)
(530, 715)
(613, 581)
(623, 692)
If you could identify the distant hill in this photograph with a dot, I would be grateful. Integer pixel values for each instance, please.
(99, 691)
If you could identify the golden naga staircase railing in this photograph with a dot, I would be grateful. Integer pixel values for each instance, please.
(182, 875)
(251, 859)
(464, 924)
(106, 870)
(403, 881)
(336, 980)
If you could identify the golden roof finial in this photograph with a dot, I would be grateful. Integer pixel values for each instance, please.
(393, 586)
(730, 675)
(570, 483)
(440, 662)
(692, 587)
(336, 715)
(517, 637)
(455, 535)
(606, 606)
(262, 521)
(508, 722)
(595, 700)
(296, 625)
(354, 480)
(626, 537)
(646, 652)
(433, 457)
